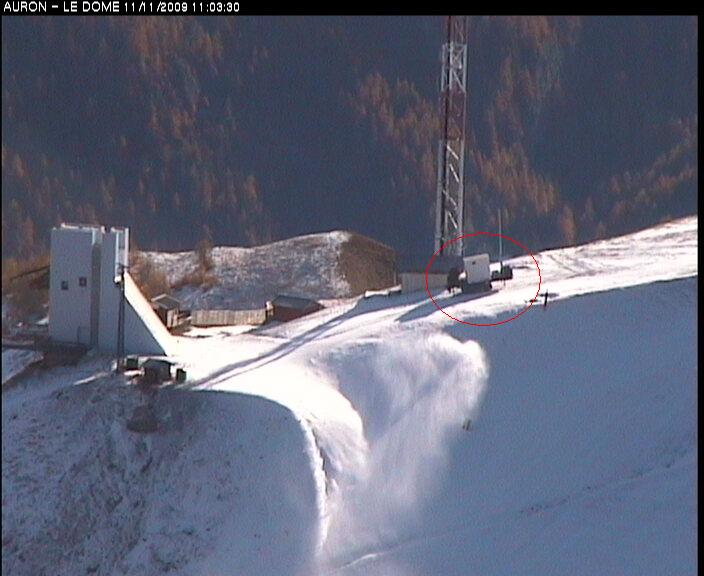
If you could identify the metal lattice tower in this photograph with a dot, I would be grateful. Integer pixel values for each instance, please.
(449, 209)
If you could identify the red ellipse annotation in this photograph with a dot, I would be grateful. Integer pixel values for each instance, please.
(532, 300)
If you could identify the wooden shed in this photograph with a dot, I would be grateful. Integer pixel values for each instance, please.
(285, 308)
(169, 311)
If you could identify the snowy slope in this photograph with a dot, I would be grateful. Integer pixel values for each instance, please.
(580, 457)
(412, 376)
(211, 493)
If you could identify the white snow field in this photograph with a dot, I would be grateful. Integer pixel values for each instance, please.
(380, 437)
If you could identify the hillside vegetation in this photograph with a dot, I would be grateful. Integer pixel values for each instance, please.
(247, 130)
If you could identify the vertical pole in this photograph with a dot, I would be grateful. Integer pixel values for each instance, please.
(121, 322)
(501, 257)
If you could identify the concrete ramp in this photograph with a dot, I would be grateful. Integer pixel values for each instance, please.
(144, 331)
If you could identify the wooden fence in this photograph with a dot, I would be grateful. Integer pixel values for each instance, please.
(227, 317)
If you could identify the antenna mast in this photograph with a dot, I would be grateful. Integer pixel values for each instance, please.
(501, 252)
(449, 207)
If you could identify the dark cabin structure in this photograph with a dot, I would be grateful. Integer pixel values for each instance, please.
(286, 308)
(169, 311)
(157, 370)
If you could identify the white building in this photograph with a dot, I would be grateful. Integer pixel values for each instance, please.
(477, 268)
(84, 293)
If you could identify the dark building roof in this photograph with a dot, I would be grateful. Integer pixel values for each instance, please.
(157, 369)
(295, 302)
(157, 363)
(167, 302)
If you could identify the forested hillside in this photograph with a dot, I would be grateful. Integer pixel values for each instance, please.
(247, 130)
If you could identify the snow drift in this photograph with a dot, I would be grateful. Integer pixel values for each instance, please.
(583, 459)
(412, 392)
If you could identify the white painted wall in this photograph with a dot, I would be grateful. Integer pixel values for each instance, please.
(90, 314)
(71, 259)
(110, 292)
(477, 268)
(415, 281)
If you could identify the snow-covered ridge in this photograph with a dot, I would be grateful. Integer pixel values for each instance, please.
(306, 265)
(666, 252)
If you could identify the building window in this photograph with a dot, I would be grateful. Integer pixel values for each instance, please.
(64, 284)
(83, 281)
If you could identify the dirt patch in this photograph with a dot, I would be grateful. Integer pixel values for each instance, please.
(367, 264)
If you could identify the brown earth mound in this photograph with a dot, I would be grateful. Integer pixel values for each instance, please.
(367, 264)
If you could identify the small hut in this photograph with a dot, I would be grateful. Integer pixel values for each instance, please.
(285, 308)
(169, 311)
(157, 370)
